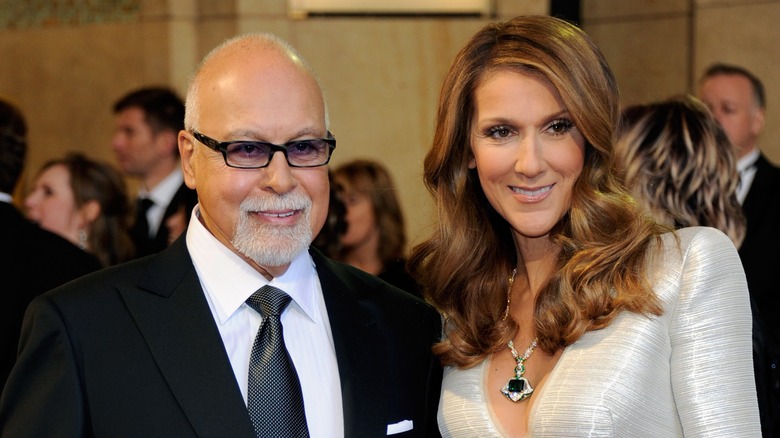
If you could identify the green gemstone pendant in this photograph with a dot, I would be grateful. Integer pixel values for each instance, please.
(517, 389)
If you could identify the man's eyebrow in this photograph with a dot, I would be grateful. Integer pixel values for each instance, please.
(256, 135)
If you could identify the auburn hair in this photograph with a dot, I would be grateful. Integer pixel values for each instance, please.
(603, 240)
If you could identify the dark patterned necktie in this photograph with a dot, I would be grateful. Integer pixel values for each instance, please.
(141, 225)
(274, 397)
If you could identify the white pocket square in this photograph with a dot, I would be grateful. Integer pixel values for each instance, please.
(401, 426)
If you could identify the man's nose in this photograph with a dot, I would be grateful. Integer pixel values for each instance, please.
(279, 176)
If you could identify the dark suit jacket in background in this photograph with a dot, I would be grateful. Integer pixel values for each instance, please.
(760, 255)
(32, 261)
(760, 251)
(184, 198)
(134, 351)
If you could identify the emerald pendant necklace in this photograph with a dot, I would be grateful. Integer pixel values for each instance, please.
(518, 388)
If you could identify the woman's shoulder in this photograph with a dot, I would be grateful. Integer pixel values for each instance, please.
(693, 248)
(697, 256)
(697, 238)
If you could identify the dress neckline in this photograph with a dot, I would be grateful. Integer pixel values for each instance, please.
(535, 403)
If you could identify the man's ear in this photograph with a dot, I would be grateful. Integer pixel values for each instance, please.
(758, 121)
(187, 153)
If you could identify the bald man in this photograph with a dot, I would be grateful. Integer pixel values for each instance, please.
(165, 346)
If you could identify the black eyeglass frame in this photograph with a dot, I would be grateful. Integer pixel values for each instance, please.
(221, 146)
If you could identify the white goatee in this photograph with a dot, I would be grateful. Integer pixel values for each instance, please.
(273, 245)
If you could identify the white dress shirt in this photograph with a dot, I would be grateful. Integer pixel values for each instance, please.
(228, 281)
(747, 171)
(162, 194)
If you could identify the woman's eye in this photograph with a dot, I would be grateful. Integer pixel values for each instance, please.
(499, 132)
(561, 126)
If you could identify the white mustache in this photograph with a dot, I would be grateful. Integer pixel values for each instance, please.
(287, 201)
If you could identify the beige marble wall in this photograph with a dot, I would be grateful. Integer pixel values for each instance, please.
(660, 47)
(381, 75)
(646, 47)
(66, 79)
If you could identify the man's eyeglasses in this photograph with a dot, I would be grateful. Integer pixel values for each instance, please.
(257, 154)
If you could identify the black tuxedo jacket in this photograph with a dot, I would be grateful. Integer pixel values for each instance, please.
(761, 261)
(32, 261)
(134, 351)
(759, 251)
(185, 198)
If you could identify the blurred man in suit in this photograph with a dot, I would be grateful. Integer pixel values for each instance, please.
(147, 122)
(173, 344)
(737, 99)
(32, 260)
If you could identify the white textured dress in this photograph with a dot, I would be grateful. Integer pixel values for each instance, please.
(686, 373)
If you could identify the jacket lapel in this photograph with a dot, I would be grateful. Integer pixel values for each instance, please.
(761, 189)
(171, 312)
(355, 335)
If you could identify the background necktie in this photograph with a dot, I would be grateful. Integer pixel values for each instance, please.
(141, 225)
(275, 401)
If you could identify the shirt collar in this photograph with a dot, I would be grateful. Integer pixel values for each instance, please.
(163, 193)
(748, 160)
(228, 280)
(5, 197)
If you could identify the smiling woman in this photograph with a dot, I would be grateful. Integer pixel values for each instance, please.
(548, 274)
(527, 151)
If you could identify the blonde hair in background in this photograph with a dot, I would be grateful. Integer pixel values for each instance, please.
(679, 164)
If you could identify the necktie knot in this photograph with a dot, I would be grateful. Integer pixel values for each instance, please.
(145, 203)
(269, 301)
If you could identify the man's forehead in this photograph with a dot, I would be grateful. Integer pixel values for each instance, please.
(732, 82)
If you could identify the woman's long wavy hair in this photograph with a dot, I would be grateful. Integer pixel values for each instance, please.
(679, 164)
(464, 266)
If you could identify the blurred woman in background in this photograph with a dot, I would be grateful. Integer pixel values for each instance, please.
(375, 237)
(86, 202)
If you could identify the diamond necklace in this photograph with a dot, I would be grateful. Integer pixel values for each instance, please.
(518, 388)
